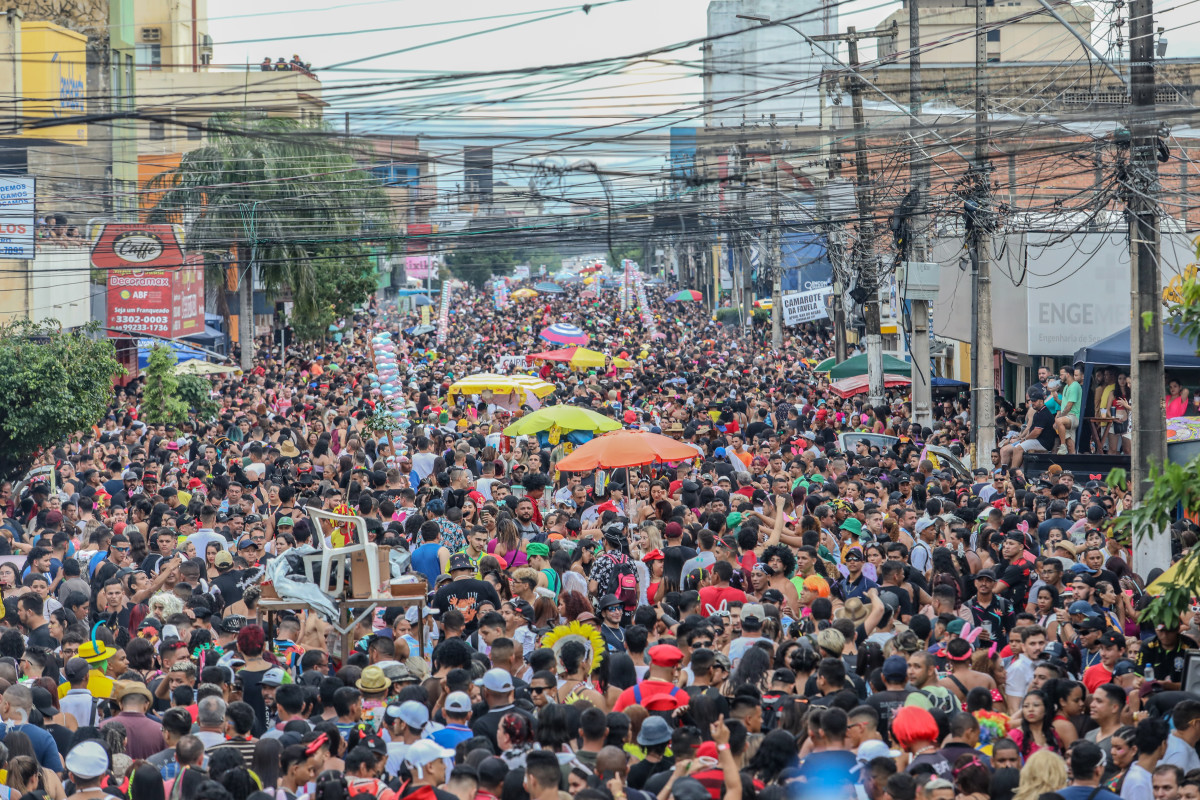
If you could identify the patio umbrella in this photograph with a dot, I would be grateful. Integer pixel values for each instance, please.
(564, 333)
(586, 359)
(203, 368)
(522, 294)
(524, 386)
(858, 384)
(857, 365)
(825, 365)
(625, 448)
(591, 269)
(421, 300)
(569, 418)
(420, 330)
(685, 296)
(548, 288)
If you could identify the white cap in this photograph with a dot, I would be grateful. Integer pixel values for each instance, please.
(424, 751)
(496, 680)
(415, 715)
(273, 677)
(458, 702)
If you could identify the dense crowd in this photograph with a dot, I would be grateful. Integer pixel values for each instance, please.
(813, 606)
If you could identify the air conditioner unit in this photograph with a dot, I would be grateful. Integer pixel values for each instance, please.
(151, 34)
(206, 43)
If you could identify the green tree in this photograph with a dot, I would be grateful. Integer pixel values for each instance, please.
(195, 391)
(1171, 489)
(161, 404)
(347, 281)
(52, 384)
(281, 192)
(477, 266)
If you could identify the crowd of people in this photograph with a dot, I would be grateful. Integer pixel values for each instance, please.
(800, 611)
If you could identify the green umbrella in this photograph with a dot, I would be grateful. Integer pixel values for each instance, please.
(825, 365)
(857, 365)
(569, 418)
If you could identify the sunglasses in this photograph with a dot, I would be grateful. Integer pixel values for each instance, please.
(702, 644)
(538, 689)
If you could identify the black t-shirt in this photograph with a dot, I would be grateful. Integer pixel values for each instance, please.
(1044, 419)
(40, 637)
(640, 772)
(229, 585)
(905, 608)
(674, 557)
(1018, 575)
(465, 595)
(886, 704)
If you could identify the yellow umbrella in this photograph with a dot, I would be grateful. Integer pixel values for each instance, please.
(1173, 577)
(589, 359)
(501, 384)
(523, 294)
(197, 367)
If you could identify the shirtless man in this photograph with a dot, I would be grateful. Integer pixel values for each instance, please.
(962, 678)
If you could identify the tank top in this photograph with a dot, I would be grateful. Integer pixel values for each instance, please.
(425, 560)
(1176, 406)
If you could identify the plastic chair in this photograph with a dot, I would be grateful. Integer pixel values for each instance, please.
(337, 558)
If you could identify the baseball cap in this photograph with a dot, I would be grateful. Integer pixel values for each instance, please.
(458, 702)
(496, 680)
(872, 749)
(423, 752)
(76, 669)
(1112, 639)
(1124, 667)
(87, 760)
(1081, 607)
(895, 668)
(922, 524)
(414, 714)
(223, 559)
(986, 574)
(273, 677)
(753, 611)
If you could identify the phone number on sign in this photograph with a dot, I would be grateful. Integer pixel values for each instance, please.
(140, 319)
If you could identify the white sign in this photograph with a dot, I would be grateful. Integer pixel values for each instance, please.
(17, 224)
(804, 306)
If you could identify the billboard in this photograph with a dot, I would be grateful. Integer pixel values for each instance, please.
(805, 260)
(416, 267)
(17, 217)
(53, 81)
(807, 306)
(418, 237)
(152, 286)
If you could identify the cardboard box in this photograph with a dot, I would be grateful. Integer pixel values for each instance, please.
(359, 586)
(419, 589)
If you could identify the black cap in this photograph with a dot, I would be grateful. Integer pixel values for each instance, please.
(1095, 513)
(986, 573)
(460, 561)
(1112, 639)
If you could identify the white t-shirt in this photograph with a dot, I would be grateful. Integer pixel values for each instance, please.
(1137, 783)
(1181, 754)
(423, 464)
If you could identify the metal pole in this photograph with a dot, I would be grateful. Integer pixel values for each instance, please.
(864, 248)
(919, 176)
(246, 313)
(776, 262)
(1151, 548)
(984, 392)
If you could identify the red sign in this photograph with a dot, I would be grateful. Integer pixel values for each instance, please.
(152, 286)
(419, 234)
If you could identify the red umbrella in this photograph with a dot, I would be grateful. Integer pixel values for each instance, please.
(565, 355)
(625, 448)
(848, 387)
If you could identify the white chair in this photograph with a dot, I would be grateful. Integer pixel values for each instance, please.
(336, 558)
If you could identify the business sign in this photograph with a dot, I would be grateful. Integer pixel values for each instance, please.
(416, 267)
(53, 82)
(419, 234)
(443, 326)
(17, 216)
(152, 286)
(805, 261)
(801, 307)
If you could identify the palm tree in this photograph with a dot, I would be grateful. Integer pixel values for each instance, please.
(279, 191)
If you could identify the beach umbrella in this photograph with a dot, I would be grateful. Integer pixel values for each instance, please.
(826, 365)
(521, 385)
(564, 333)
(857, 365)
(421, 300)
(569, 418)
(685, 296)
(625, 448)
(548, 288)
(589, 359)
(523, 294)
(858, 384)
(420, 330)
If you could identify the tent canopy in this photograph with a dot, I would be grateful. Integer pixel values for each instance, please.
(857, 365)
(939, 382)
(1178, 352)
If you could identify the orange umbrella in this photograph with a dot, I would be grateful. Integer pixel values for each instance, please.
(626, 448)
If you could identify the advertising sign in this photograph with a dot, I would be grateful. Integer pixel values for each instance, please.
(444, 314)
(17, 217)
(152, 287)
(801, 307)
(416, 267)
(53, 81)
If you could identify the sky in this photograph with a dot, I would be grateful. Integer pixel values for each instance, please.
(385, 62)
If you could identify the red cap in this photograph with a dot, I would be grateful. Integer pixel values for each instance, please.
(666, 655)
(707, 750)
(194, 483)
(654, 555)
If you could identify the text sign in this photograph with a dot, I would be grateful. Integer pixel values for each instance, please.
(17, 217)
(801, 307)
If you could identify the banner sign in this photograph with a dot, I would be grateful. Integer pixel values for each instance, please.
(17, 217)
(416, 267)
(644, 306)
(801, 307)
(152, 287)
(444, 314)
(626, 281)
(500, 294)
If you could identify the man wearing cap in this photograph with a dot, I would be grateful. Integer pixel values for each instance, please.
(658, 691)
(457, 711)
(989, 611)
(1037, 437)
(1112, 649)
(855, 584)
(426, 762)
(405, 725)
(87, 764)
(1164, 655)
(497, 685)
(465, 592)
(144, 734)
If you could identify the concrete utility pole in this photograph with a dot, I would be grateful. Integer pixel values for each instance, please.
(864, 249)
(983, 393)
(922, 388)
(1151, 548)
(775, 244)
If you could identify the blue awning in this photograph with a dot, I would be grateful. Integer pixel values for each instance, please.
(208, 337)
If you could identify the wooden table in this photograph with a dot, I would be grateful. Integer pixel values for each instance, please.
(1100, 427)
(352, 611)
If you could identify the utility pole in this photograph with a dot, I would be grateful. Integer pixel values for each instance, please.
(775, 244)
(1151, 548)
(865, 246)
(922, 373)
(742, 227)
(983, 392)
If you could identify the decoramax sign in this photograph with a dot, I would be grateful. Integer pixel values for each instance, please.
(53, 81)
(152, 286)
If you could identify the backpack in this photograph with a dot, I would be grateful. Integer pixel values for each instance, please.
(663, 707)
(623, 582)
(947, 703)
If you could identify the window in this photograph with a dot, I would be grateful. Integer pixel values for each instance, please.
(993, 59)
(993, 36)
(149, 56)
(158, 131)
(194, 131)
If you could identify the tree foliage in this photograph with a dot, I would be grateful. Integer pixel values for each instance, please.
(479, 264)
(287, 194)
(161, 403)
(347, 281)
(1171, 488)
(52, 384)
(196, 393)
